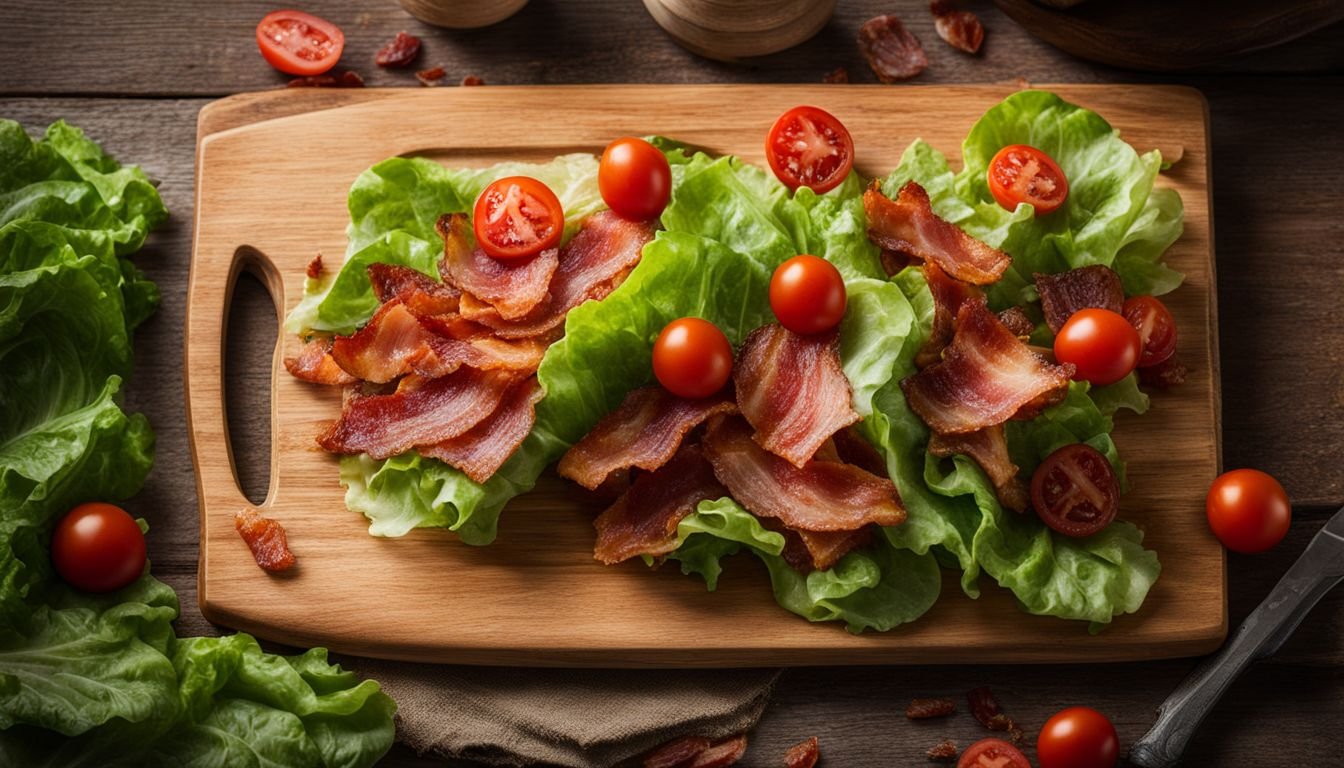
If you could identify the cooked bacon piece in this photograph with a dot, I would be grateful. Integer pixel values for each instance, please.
(804, 754)
(892, 52)
(644, 520)
(676, 753)
(443, 356)
(820, 496)
(948, 296)
(852, 448)
(266, 538)
(792, 391)
(1165, 375)
(1067, 292)
(314, 363)
(512, 289)
(346, 79)
(944, 751)
(808, 551)
(925, 709)
(421, 293)
(988, 447)
(985, 376)
(401, 52)
(644, 431)
(1016, 320)
(420, 412)
(909, 225)
(471, 80)
(314, 268)
(960, 29)
(723, 754)
(431, 77)
(482, 450)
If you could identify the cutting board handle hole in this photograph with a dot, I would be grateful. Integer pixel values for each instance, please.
(251, 330)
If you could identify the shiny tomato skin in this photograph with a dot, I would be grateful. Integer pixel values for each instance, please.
(692, 358)
(516, 218)
(807, 295)
(1078, 737)
(97, 547)
(299, 43)
(1019, 173)
(1248, 510)
(1156, 327)
(1102, 346)
(809, 147)
(635, 179)
(993, 753)
(1075, 490)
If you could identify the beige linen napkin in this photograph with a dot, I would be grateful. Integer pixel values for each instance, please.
(577, 718)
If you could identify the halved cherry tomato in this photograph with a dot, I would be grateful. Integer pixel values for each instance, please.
(692, 358)
(993, 753)
(1022, 174)
(809, 147)
(634, 179)
(98, 548)
(299, 43)
(807, 295)
(1103, 347)
(1156, 327)
(1248, 510)
(1075, 490)
(1078, 737)
(516, 218)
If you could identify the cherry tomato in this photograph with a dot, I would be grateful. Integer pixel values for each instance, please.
(98, 548)
(516, 218)
(634, 179)
(1101, 344)
(299, 43)
(807, 295)
(1156, 327)
(1248, 510)
(809, 147)
(692, 358)
(992, 753)
(1022, 174)
(1075, 490)
(1078, 737)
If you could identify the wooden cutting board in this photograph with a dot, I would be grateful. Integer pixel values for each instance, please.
(272, 174)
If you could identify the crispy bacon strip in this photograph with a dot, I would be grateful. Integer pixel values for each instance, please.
(644, 431)
(985, 376)
(644, 520)
(314, 363)
(511, 289)
(988, 447)
(266, 538)
(909, 225)
(1067, 292)
(948, 296)
(892, 52)
(820, 496)
(419, 292)
(482, 450)
(792, 390)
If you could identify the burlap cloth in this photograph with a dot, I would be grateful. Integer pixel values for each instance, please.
(586, 718)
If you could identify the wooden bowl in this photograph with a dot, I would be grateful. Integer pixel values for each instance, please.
(733, 29)
(462, 14)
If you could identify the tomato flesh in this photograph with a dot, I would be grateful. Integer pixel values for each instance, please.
(1102, 346)
(98, 548)
(993, 753)
(809, 147)
(299, 43)
(1078, 737)
(1248, 510)
(635, 179)
(692, 358)
(1075, 490)
(1156, 327)
(516, 218)
(807, 295)
(1019, 173)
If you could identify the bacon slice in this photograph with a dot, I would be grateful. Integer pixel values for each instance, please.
(1067, 292)
(808, 551)
(482, 450)
(644, 431)
(512, 290)
(989, 448)
(421, 412)
(314, 363)
(909, 225)
(792, 390)
(892, 52)
(644, 520)
(419, 292)
(820, 496)
(985, 376)
(948, 296)
(266, 538)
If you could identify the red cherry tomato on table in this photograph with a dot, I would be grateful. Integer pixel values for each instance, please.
(98, 548)
(807, 295)
(299, 43)
(809, 147)
(993, 753)
(1078, 737)
(1075, 490)
(692, 358)
(1022, 174)
(1248, 510)
(1102, 345)
(516, 218)
(634, 179)
(1156, 327)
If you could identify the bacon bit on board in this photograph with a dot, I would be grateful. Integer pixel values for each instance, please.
(431, 77)
(346, 79)
(723, 754)
(892, 52)
(399, 53)
(924, 709)
(943, 751)
(314, 268)
(804, 754)
(266, 538)
(315, 364)
(1165, 375)
(960, 29)
(471, 80)
(986, 709)
(677, 752)
(839, 75)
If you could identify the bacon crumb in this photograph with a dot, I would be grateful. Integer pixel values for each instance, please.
(892, 52)
(399, 53)
(470, 80)
(803, 754)
(837, 75)
(677, 752)
(266, 538)
(430, 77)
(314, 269)
(960, 29)
(723, 754)
(943, 751)
(923, 709)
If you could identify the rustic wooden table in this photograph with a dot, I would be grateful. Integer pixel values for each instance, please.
(135, 73)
